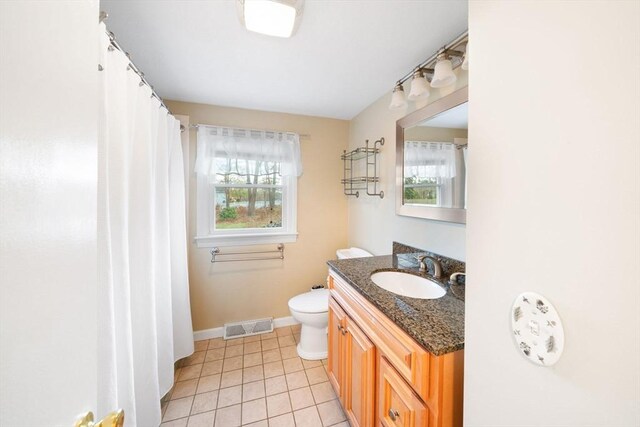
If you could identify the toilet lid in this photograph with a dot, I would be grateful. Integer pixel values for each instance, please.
(311, 302)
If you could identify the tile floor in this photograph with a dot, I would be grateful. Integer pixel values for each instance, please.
(253, 381)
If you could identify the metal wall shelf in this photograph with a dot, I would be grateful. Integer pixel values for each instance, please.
(359, 153)
(360, 179)
(354, 184)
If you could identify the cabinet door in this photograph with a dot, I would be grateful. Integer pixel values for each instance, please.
(335, 365)
(359, 376)
(397, 404)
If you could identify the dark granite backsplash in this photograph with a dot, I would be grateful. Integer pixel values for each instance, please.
(401, 248)
(409, 254)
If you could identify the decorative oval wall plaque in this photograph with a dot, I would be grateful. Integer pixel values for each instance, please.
(537, 329)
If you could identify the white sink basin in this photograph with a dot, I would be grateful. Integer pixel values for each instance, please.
(408, 285)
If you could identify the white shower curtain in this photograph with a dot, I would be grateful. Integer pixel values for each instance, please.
(144, 316)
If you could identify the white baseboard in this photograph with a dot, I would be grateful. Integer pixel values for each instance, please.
(284, 321)
(207, 334)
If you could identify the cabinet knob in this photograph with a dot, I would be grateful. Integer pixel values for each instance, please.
(393, 414)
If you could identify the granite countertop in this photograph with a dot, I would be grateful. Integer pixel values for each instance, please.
(436, 324)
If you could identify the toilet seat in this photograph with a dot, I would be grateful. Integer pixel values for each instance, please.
(316, 301)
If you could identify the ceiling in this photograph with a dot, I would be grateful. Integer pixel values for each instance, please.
(344, 56)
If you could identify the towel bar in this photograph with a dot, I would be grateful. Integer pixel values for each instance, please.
(215, 252)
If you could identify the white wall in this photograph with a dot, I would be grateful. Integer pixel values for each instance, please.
(373, 223)
(48, 174)
(554, 207)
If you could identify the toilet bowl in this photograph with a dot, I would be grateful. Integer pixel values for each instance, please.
(311, 310)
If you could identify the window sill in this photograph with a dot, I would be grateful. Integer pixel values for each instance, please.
(244, 239)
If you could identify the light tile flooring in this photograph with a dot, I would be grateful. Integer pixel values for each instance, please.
(253, 381)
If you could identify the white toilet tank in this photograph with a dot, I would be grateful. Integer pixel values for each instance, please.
(352, 253)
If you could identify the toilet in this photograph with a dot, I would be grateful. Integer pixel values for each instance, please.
(352, 253)
(311, 310)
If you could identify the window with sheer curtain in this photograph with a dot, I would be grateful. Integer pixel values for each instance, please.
(429, 171)
(246, 192)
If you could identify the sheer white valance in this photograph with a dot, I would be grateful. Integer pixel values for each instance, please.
(223, 150)
(429, 159)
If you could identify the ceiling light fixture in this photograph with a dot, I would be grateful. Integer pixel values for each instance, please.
(419, 86)
(277, 18)
(441, 65)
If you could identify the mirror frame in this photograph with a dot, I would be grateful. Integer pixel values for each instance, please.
(441, 105)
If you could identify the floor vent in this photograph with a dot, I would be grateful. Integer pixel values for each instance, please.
(247, 328)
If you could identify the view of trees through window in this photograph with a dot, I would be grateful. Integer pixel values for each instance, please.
(422, 191)
(248, 194)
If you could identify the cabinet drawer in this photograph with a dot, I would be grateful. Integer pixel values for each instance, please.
(397, 403)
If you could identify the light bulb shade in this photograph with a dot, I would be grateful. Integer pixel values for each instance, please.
(443, 73)
(278, 18)
(419, 87)
(465, 61)
(397, 98)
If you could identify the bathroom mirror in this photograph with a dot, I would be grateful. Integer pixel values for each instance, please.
(431, 151)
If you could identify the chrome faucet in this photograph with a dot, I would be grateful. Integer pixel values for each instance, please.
(437, 268)
(453, 279)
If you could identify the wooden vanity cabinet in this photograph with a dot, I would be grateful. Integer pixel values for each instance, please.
(381, 375)
(351, 367)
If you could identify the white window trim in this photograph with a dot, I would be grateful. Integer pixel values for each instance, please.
(288, 233)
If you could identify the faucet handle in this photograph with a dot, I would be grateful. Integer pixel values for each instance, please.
(423, 265)
(437, 268)
(453, 279)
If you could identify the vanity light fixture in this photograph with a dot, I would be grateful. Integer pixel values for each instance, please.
(398, 100)
(440, 66)
(277, 18)
(443, 73)
(465, 60)
(419, 86)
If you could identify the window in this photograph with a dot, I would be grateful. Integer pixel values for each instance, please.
(246, 192)
(430, 168)
(422, 191)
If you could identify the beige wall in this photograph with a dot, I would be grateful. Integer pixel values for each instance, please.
(554, 207)
(234, 291)
(373, 223)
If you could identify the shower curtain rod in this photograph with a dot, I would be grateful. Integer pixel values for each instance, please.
(112, 40)
(301, 135)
